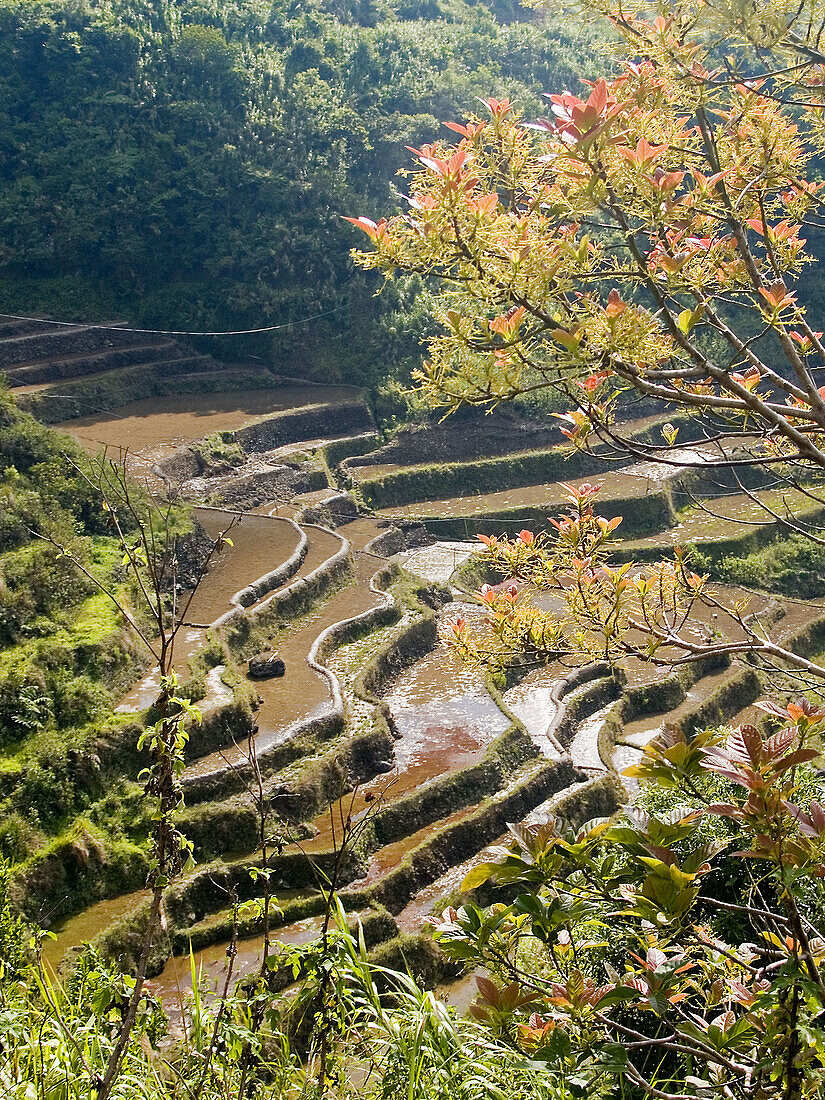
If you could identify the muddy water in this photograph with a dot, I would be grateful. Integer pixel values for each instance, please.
(302, 692)
(259, 545)
(362, 531)
(714, 618)
(444, 713)
(617, 485)
(638, 734)
(84, 926)
(145, 691)
(532, 703)
(446, 720)
(658, 473)
(154, 428)
(461, 993)
(430, 901)
(642, 730)
(389, 857)
(212, 963)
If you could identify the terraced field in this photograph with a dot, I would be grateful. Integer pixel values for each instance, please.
(347, 561)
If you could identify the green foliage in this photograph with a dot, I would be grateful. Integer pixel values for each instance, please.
(66, 655)
(14, 936)
(791, 567)
(660, 951)
(187, 166)
(221, 447)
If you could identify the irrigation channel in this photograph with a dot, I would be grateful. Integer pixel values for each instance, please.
(348, 561)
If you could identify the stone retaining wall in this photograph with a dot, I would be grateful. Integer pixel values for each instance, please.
(310, 422)
(66, 341)
(93, 363)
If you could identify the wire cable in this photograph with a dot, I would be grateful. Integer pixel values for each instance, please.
(173, 332)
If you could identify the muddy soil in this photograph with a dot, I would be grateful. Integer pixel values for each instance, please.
(260, 544)
(153, 429)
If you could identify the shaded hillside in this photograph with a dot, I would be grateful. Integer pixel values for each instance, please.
(185, 165)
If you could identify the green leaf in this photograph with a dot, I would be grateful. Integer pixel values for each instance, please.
(478, 875)
(620, 995)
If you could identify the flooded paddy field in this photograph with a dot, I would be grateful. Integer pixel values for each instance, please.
(259, 545)
(452, 749)
(726, 515)
(619, 484)
(154, 428)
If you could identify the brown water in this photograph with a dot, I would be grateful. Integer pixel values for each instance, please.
(362, 531)
(642, 730)
(391, 856)
(154, 428)
(446, 719)
(83, 927)
(618, 485)
(302, 692)
(174, 983)
(183, 418)
(259, 545)
(429, 901)
(532, 702)
(461, 993)
(428, 747)
(445, 715)
(636, 735)
(142, 694)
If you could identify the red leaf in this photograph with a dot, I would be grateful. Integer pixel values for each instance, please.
(745, 745)
(770, 707)
(488, 990)
(724, 809)
(779, 743)
(598, 97)
(801, 756)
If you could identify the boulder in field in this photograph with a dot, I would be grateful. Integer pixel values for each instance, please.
(263, 666)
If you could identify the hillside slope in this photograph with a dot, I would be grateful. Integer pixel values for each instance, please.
(185, 165)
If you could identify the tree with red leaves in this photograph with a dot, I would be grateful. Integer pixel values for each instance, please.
(647, 237)
(646, 240)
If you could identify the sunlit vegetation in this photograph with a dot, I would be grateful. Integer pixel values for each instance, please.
(188, 165)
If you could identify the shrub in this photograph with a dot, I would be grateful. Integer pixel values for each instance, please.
(791, 567)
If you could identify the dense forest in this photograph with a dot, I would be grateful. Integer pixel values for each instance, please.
(186, 165)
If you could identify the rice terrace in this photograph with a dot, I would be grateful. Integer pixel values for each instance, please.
(412, 551)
